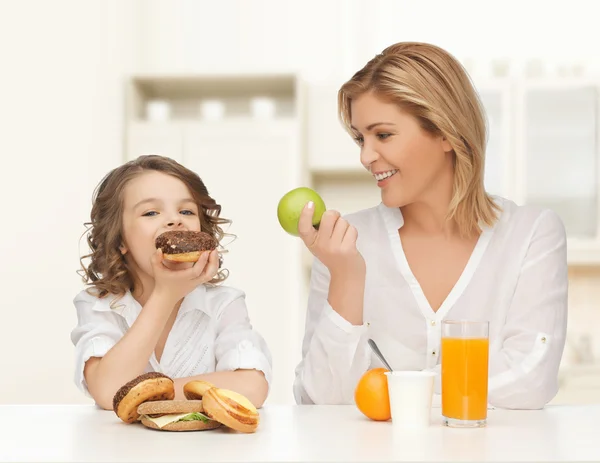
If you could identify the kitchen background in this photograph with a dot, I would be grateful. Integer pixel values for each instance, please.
(244, 92)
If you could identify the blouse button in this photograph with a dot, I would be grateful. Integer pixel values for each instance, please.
(432, 352)
(544, 339)
(432, 322)
(245, 345)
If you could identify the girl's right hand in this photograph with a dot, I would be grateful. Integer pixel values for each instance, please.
(176, 284)
(334, 243)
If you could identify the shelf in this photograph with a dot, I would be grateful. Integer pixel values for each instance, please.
(186, 96)
(329, 146)
(162, 110)
(191, 86)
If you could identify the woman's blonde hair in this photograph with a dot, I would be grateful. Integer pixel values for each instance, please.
(107, 271)
(431, 85)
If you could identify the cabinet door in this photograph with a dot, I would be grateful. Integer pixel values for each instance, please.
(497, 156)
(247, 167)
(560, 154)
(154, 138)
(330, 147)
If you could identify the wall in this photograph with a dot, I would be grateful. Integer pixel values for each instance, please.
(234, 35)
(331, 40)
(63, 64)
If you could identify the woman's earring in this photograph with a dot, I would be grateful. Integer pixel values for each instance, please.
(220, 260)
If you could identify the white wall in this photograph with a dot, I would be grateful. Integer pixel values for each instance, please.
(516, 29)
(262, 35)
(61, 75)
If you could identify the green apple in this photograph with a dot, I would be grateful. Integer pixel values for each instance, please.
(291, 205)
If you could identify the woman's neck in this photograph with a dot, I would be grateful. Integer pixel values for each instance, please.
(429, 214)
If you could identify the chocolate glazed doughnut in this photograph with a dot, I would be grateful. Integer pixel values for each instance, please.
(184, 245)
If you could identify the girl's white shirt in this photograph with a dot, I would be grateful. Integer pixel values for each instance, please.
(516, 279)
(212, 332)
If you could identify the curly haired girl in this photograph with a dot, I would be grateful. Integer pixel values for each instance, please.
(141, 313)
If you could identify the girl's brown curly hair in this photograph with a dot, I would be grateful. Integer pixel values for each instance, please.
(107, 271)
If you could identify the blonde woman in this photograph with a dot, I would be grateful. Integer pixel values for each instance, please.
(437, 247)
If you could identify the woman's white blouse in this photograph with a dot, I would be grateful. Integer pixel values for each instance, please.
(212, 332)
(516, 278)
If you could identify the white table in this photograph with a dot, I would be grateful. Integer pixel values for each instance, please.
(81, 433)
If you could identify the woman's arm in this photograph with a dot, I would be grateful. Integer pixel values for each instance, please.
(524, 364)
(334, 350)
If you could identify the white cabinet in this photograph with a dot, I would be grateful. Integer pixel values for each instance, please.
(495, 98)
(247, 167)
(330, 148)
(161, 138)
(560, 154)
(247, 163)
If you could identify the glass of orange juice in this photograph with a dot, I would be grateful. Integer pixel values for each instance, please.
(465, 352)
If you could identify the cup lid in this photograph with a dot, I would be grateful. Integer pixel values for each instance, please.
(411, 373)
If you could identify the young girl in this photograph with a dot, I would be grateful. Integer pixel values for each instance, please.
(144, 314)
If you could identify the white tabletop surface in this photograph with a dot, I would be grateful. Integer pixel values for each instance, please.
(81, 433)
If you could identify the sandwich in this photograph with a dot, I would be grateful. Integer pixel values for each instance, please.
(176, 415)
(228, 407)
(195, 390)
(149, 398)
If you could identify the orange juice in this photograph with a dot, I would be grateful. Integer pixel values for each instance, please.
(464, 378)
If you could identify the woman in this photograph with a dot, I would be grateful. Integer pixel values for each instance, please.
(437, 247)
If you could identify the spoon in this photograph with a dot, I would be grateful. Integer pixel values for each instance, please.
(378, 353)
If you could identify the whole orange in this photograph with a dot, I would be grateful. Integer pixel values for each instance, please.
(371, 395)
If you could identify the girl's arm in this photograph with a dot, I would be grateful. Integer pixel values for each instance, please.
(243, 359)
(250, 383)
(129, 356)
